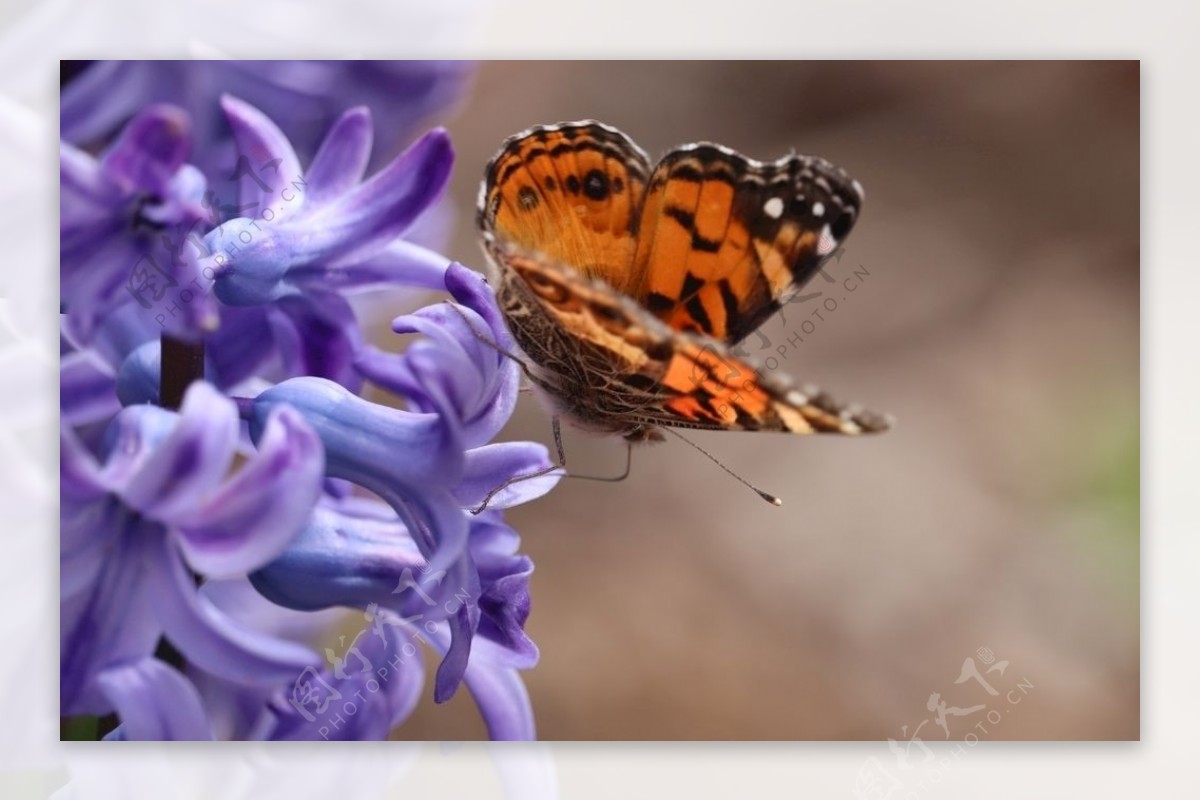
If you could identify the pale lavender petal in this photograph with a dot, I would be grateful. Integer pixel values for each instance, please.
(488, 467)
(192, 462)
(212, 641)
(155, 702)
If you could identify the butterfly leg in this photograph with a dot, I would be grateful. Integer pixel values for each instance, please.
(562, 463)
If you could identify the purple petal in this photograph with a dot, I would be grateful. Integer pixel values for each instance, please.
(87, 533)
(140, 375)
(454, 665)
(400, 263)
(192, 462)
(155, 702)
(269, 158)
(498, 691)
(253, 517)
(111, 619)
(85, 390)
(93, 286)
(324, 339)
(471, 289)
(488, 467)
(150, 149)
(80, 477)
(90, 103)
(240, 346)
(87, 193)
(211, 640)
(368, 444)
(339, 560)
(342, 158)
(365, 220)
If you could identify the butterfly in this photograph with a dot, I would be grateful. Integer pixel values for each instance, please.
(627, 284)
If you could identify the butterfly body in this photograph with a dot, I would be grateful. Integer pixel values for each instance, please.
(626, 285)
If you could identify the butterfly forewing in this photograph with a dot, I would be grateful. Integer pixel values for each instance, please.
(724, 240)
(571, 192)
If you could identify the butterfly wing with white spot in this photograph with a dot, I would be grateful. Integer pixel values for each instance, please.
(724, 241)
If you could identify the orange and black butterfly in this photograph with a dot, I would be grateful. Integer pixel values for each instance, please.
(627, 285)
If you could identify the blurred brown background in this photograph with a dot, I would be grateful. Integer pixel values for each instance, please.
(994, 313)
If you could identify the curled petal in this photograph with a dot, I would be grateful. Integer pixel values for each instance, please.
(471, 290)
(192, 461)
(253, 517)
(155, 702)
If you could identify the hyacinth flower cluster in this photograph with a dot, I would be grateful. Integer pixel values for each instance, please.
(227, 491)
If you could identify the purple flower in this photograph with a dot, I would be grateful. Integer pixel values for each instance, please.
(168, 559)
(127, 222)
(155, 508)
(322, 232)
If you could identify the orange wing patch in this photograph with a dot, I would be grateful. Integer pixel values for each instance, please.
(571, 193)
(724, 240)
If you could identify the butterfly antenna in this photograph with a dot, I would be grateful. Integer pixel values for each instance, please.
(766, 496)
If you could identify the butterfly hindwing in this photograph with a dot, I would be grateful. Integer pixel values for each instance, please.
(621, 363)
(570, 192)
(724, 240)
